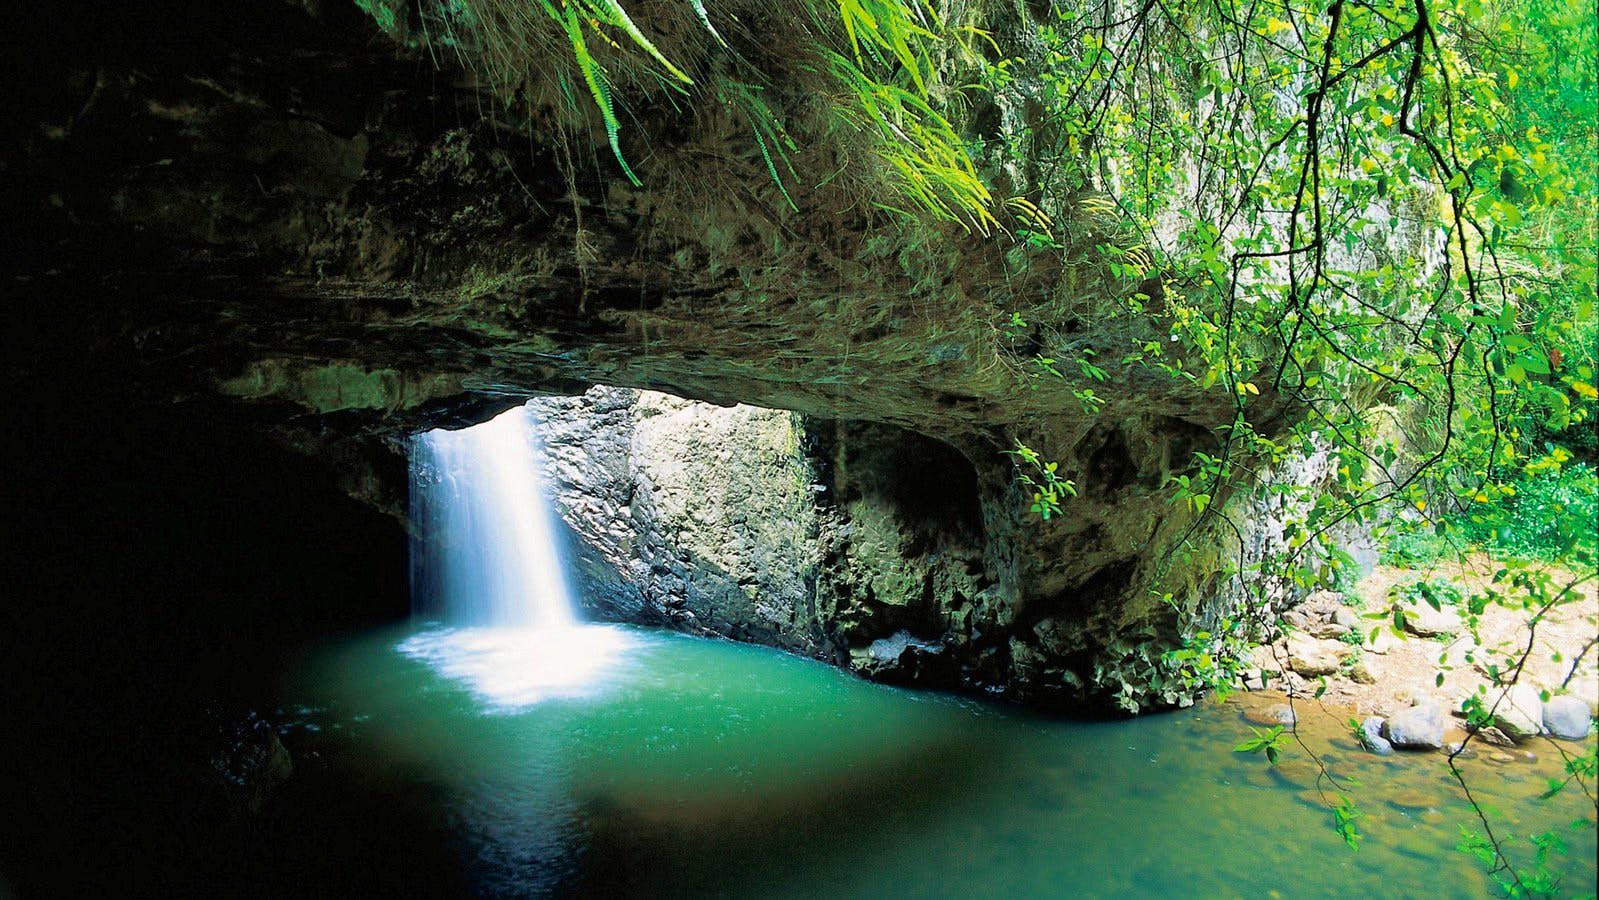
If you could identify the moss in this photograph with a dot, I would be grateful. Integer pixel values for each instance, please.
(337, 386)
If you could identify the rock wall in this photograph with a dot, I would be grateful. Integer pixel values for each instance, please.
(866, 545)
(690, 515)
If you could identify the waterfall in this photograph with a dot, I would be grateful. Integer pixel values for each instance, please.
(486, 571)
(483, 544)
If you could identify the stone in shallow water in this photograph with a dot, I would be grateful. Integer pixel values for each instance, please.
(1421, 727)
(1371, 736)
(1405, 800)
(1567, 717)
(1519, 712)
(1494, 736)
(1277, 714)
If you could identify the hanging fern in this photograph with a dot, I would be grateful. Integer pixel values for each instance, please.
(612, 12)
(770, 137)
(878, 51)
(594, 77)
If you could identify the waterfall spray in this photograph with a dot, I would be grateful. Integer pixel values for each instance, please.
(483, 546)
(486, 569)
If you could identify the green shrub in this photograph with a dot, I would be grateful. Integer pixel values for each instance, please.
(1434, 592)
(1551, 516)
(1409, 547)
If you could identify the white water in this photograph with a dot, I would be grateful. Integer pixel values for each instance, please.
(486, 566)
(483, 550)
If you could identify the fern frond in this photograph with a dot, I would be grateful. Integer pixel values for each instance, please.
(768, 131)
(771, 168)
(705, 19)
(613, 13)
(599, 88)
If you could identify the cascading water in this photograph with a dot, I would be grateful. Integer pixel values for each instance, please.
(486, 570)
(483, 550)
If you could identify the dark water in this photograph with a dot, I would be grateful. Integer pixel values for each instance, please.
(689, 766)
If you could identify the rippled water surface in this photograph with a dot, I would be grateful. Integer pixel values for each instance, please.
(679, 765)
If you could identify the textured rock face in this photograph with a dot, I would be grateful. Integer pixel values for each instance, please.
(859, 544)
(689, 515)
(866, 545)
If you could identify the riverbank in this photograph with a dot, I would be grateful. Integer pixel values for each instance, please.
(1346, 644)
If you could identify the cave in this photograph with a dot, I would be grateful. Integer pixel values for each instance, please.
(444, 475)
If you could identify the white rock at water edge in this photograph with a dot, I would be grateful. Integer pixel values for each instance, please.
(1567, 717)
(1421, 727)
(1519, 712)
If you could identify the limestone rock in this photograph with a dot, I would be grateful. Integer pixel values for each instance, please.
(1567, 717)
(1312, 658)
(1381, 642)
(1519, 712)
(1424, 621)
(1327, 630)
(1371, 729)
(1346, 617)
(1364, 671)
(1421, 727)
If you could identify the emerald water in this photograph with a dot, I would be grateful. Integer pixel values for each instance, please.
(683, 765)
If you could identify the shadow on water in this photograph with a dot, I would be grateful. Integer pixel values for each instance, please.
(764, 839)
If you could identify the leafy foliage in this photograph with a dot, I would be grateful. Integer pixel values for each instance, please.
(1270, 741)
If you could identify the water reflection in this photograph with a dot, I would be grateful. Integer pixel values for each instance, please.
(691, 766)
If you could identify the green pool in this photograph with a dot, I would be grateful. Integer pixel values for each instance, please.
(676, 765)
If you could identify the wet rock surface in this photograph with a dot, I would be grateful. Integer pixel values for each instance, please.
(865, 545)
(1518, 711)
(1567, 717)
(1421, 727)
(1371, 736)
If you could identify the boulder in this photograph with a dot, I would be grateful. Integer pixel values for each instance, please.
(1519, 712)
(1567, 717)
(1494, 736)
(1381, 642)
(1327, 630)
(1371, 736)
(1364, 671)
(1424, 621)
(1421, 727)
(1312, 658)
(1277, 714)
(1346, 617)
